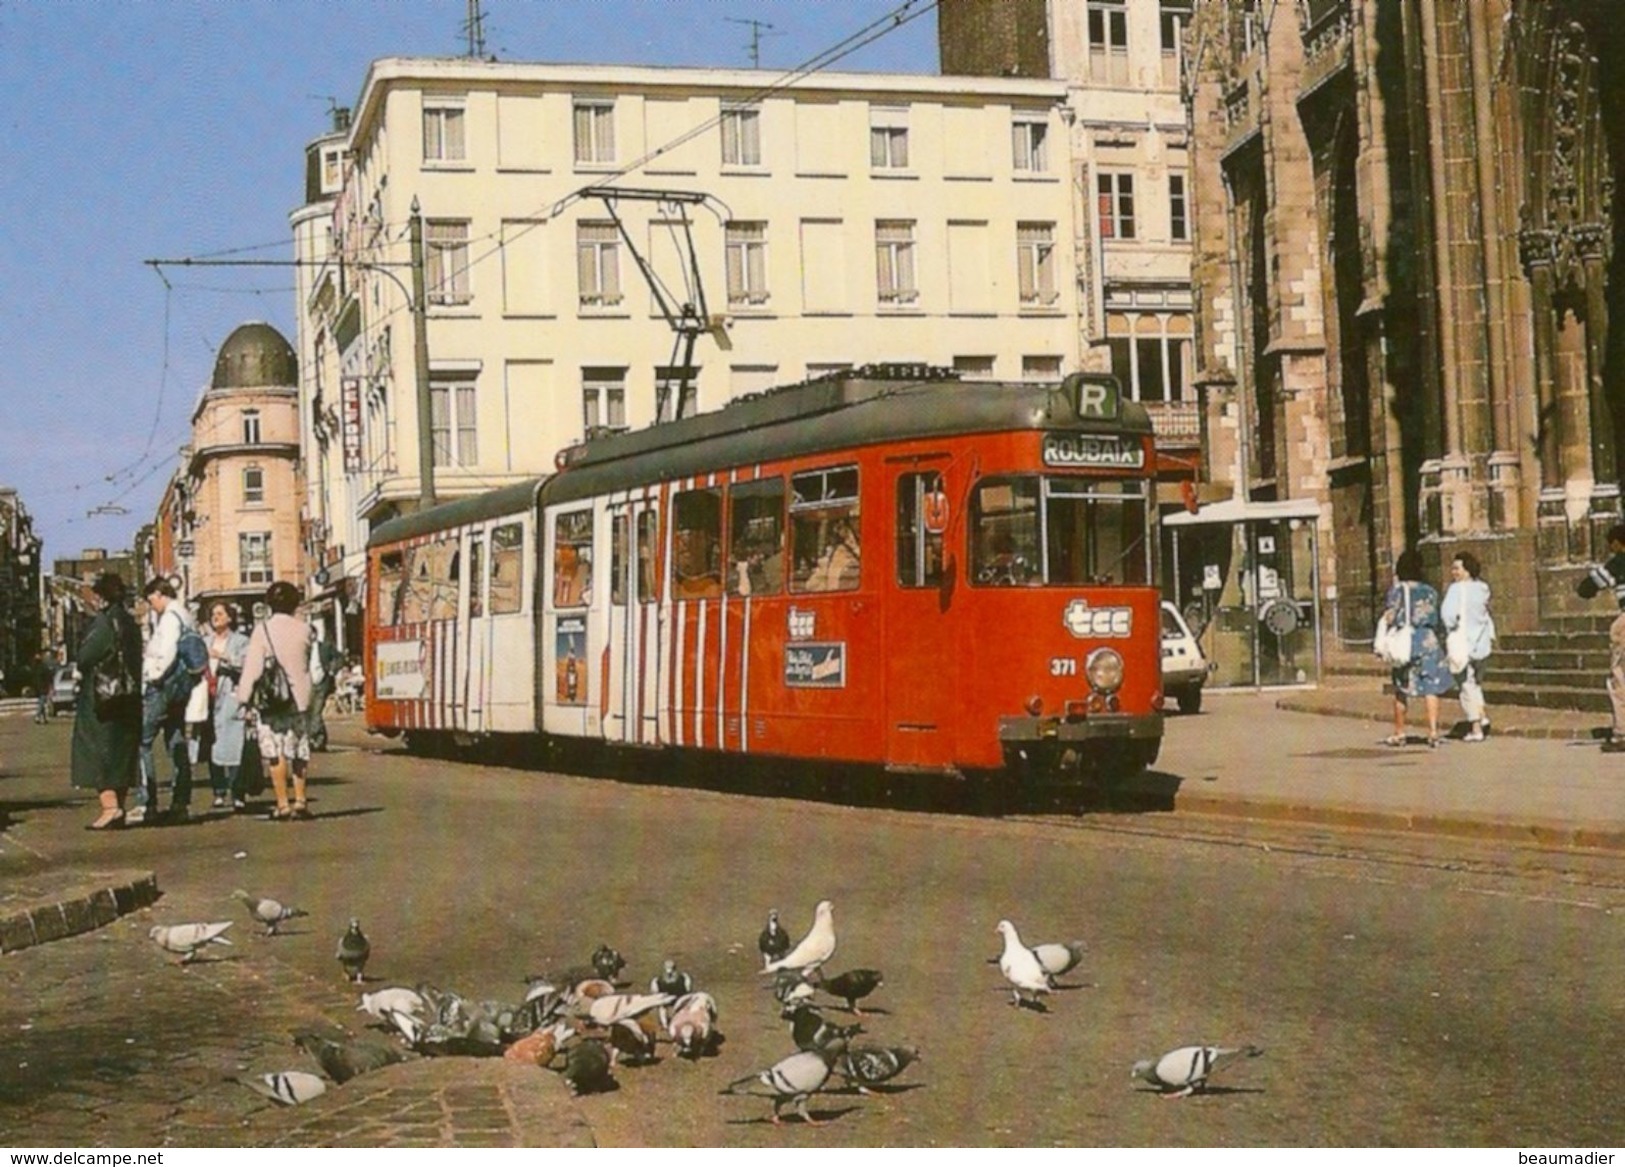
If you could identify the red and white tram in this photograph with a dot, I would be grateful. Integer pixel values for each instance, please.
(887, 566)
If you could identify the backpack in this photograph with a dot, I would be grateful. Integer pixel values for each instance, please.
(115, 683)
(191, 662)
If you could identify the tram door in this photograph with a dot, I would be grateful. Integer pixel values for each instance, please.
(628, 698)
(921, 656)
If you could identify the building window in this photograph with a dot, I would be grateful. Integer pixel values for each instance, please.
(451, 411)
(332, 170)
(1149, 354)
(598, 264)
(747, 263)
(251, 427)
(254, 557)
(603, 399)
(443, 138)
(253, 486)
(668, 379)
(974, 368)
(1042, 370)
(1028, 151)
(1179, 228)
(1035, 264)
(445, 261)
(1108, 41)
(894, 261)
(1115, 203)
(1176, 18)
(888, 138)
(742, 137)
(595, 131)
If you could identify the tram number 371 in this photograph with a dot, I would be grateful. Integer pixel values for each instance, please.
(1063, 666)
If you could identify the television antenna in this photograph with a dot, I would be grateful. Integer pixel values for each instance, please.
(755, 46)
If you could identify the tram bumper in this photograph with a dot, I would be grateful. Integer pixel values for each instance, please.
(1063, 745)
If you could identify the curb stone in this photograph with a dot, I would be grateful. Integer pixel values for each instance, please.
(88, 904)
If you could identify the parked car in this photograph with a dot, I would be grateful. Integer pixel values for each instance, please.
(1184, 668)
(64, 689)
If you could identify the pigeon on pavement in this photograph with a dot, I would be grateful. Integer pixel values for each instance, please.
(790, 987)
(586, 1067)
(817, 946)
(353, 951)
(1059, 959)
(342, 1061)
(187, 939)
(870, 1065)
(290, 1088)
(608, 962)
(774, 941)
(810, 1030)
(613, 1007)
(408, 1001)
(1021, 967)
(672, 981)
(271, 913)
(853, 985)
(1181, 1072)
(690, 1024)
(793, 1080)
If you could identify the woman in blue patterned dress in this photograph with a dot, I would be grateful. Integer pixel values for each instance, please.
(1428, 674)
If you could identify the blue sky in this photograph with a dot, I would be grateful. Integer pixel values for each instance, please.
(166, 129)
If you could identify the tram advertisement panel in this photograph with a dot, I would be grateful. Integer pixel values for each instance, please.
(570, 643)
(400, 671)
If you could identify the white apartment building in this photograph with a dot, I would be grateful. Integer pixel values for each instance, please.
(848, 219)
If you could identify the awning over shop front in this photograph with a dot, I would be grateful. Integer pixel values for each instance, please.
(1236, 510)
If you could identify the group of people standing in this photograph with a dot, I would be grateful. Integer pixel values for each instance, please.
(1451, 642)
(114, 736)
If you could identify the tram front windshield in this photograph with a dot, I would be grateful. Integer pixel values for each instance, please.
(1031, 530)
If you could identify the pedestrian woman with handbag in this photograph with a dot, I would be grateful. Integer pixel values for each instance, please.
(281, 644)
(107, 732)
(1414, 603)
(1466, 613)
(228, 649)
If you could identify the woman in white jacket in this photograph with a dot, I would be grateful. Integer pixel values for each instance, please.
(1466, 614)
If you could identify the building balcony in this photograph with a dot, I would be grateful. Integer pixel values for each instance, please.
(1328, 41)
(1177, 425)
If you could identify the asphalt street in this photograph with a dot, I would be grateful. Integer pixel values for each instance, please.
(1410, 993)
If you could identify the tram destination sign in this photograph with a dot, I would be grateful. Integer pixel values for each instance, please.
(1066, 450)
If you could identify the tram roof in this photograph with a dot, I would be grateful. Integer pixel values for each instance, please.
(493, 504)
(831, 413)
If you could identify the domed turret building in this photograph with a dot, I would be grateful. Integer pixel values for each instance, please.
(229, 522)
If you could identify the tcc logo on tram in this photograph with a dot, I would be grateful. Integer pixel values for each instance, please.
(1085, 622)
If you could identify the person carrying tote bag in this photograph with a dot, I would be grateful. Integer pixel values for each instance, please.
(1416, 604)
(1466, 613)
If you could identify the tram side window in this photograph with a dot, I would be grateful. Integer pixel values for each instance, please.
(507, 569)
(391, 587)
(476, 576)
(697, 544)
(1097, 532)
(919, 550)
(419, 586)
(1005, 548)
(648, 528)
(572, 559)
(756, 538)
(443, 569)
(617, 560)
(824, 531)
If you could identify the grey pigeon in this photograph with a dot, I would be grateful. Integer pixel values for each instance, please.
(811, 1031)
(342, 1061)
(1181, 1072)
(672, 981)
(188, 939)
(817, 946)
(353, 951)
(608, 962)
(853, 985)
(586, 1067)
(290, 1088)
(793, 1080)
(869, 1065)
(271, 913)
(774, 941)
(790, 987)
(1059, 959)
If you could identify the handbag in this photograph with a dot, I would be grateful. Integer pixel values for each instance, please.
(272, 695)
(114, 684)
(1457, 651)
(1393, 641)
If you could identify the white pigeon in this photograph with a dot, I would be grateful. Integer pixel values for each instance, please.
(1021, 967)
(793, 1080)
(1059, 959)
(408, 1001)
(407, 1025)
(690, 1023)
(1181, 1072)
(614, 1007)
(271, 913)
(187, 939)
(817, 946)
(290, 1088)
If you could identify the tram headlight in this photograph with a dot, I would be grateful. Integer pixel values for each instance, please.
(1104, 669)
